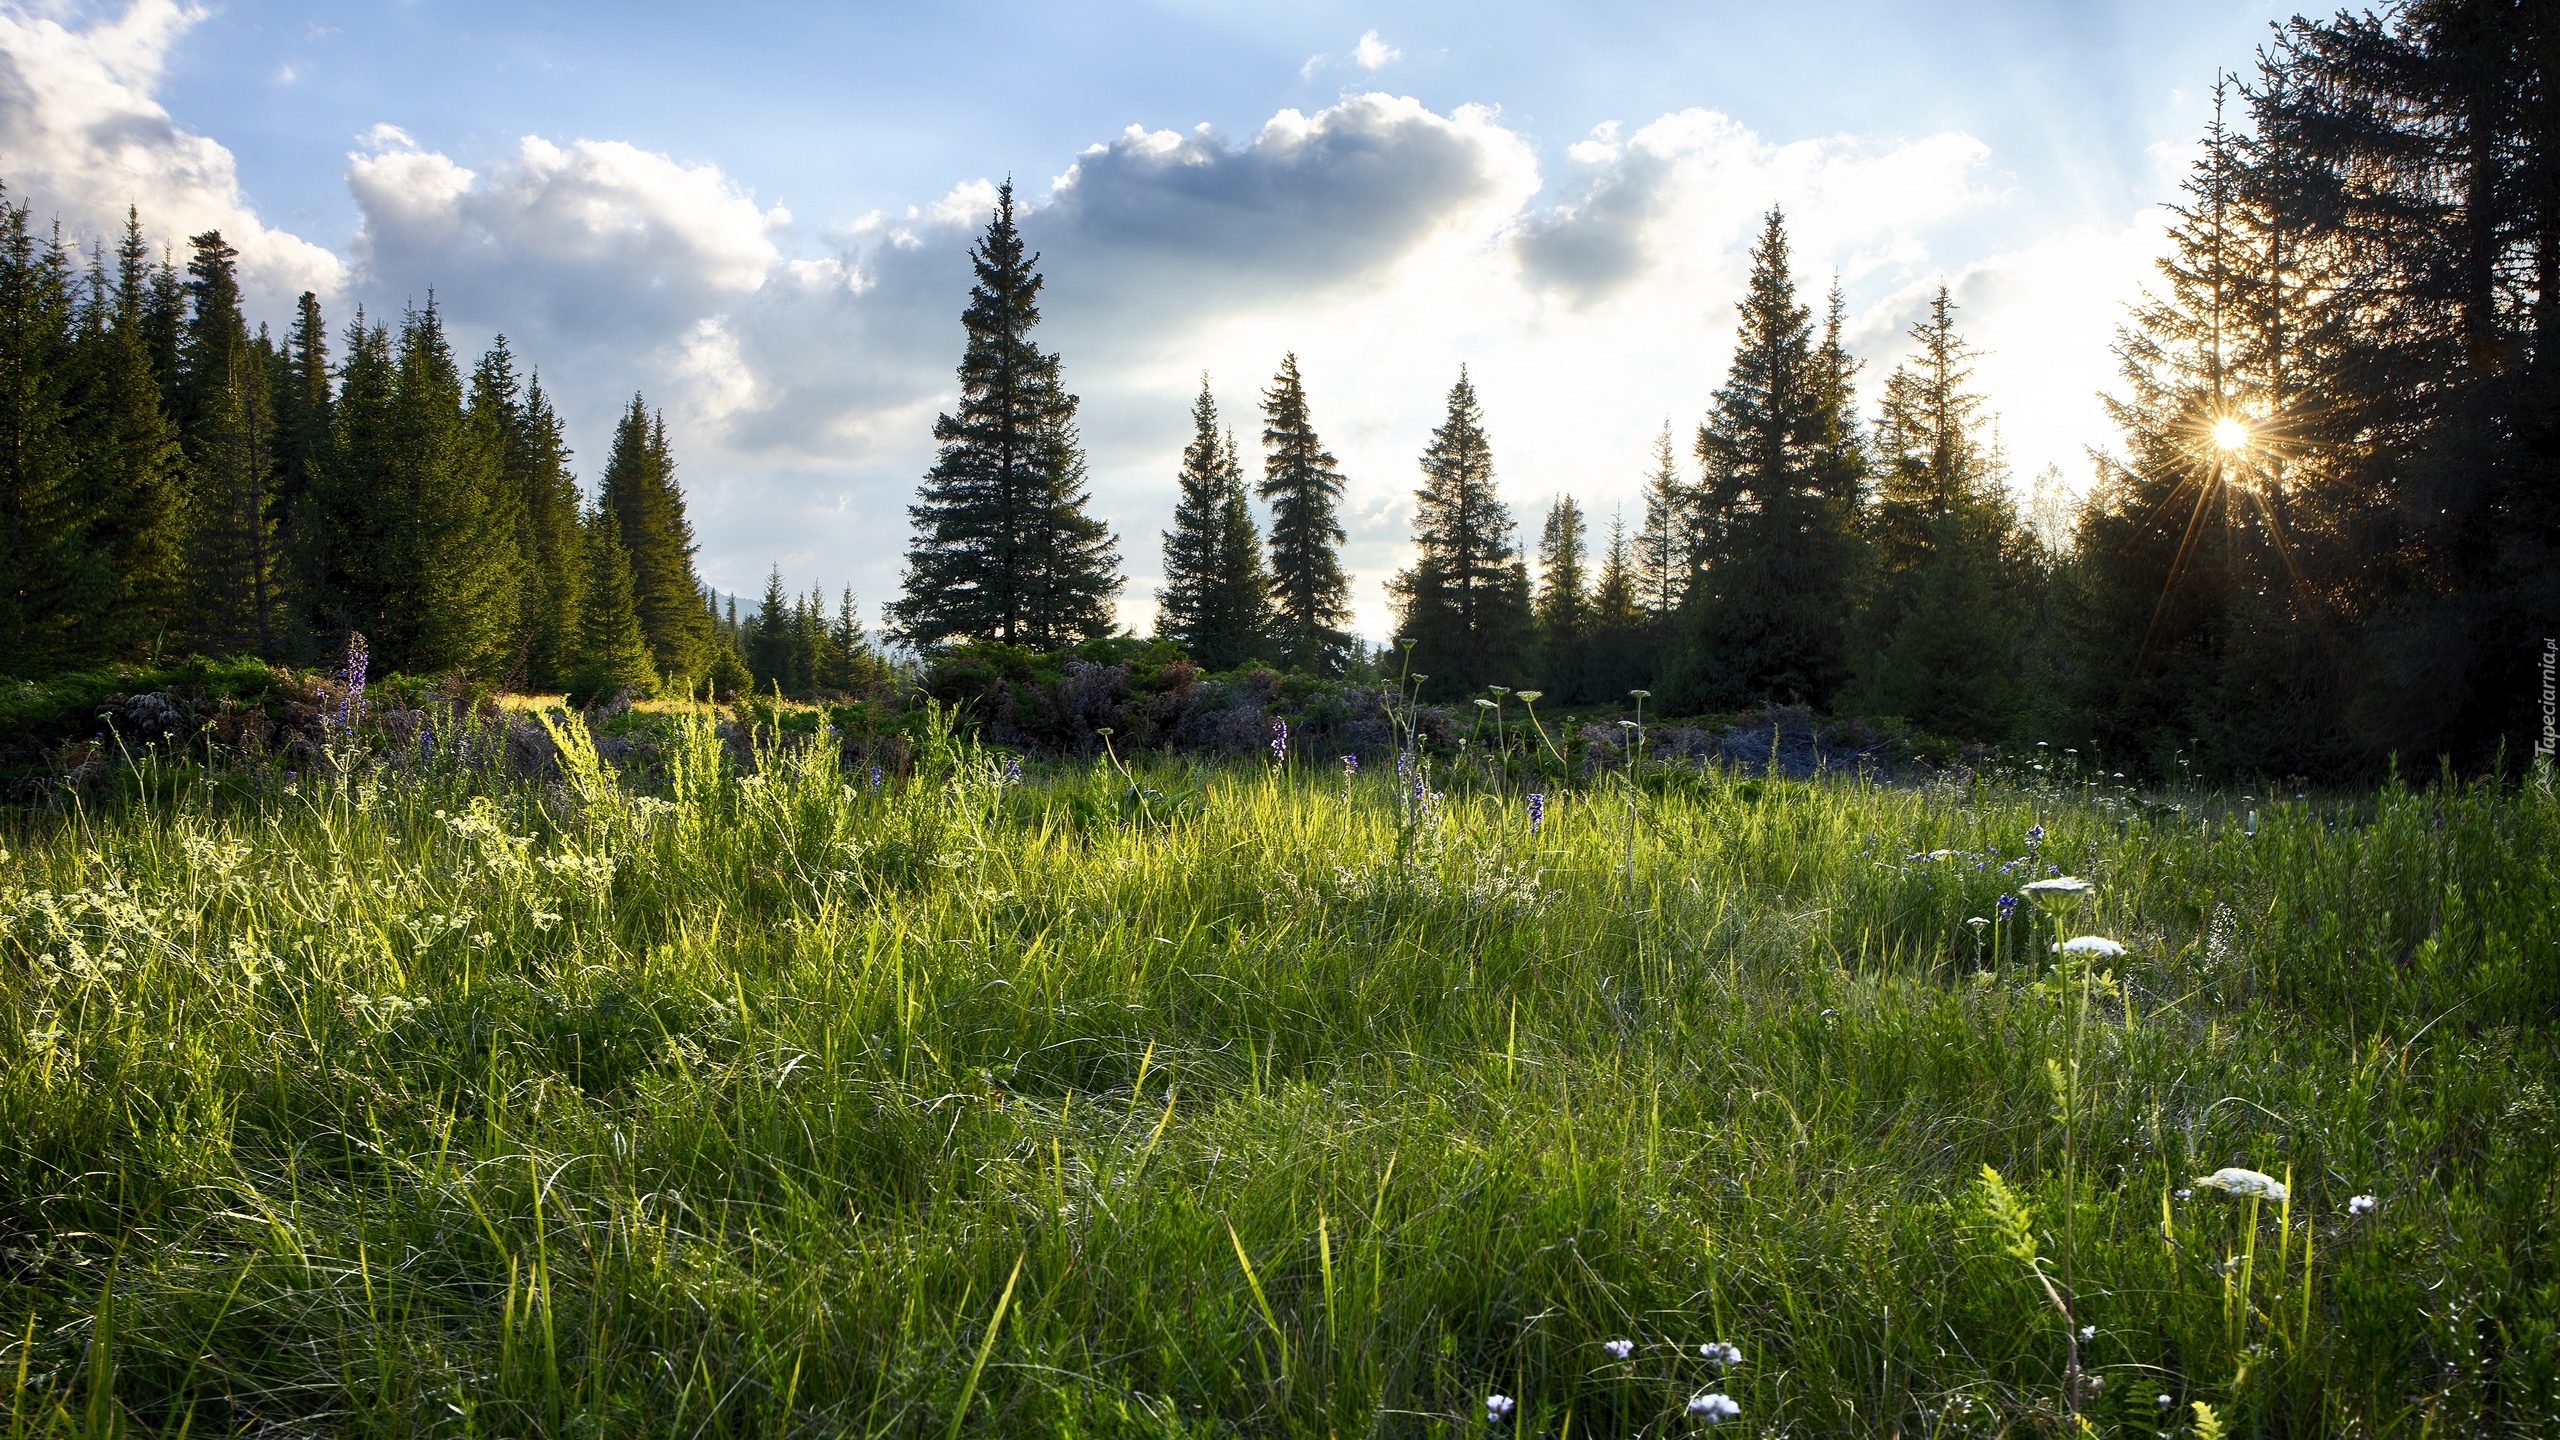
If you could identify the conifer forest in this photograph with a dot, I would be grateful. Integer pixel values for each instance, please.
(1855, 941)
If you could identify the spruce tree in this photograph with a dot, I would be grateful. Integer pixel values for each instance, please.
(226, 424)
(640, 491)
(1664, 550)
(851, 668)
(1312, 596)
(1464, 601)
(552, 549)
(132, 480)
(1617, 653)
(304, 409)
(613, 656)
(768, 638)
(1942, 638)
(1217, 597)
(1766, 617)
(451, 601)
(1563, 601)
(352, 497)
(51, 580)
(1003, 548)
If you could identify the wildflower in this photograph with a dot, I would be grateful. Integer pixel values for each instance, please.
(1533, 696)
(875, 777)
(1720, 1353)
(1013, 769)
(2058, 892)
(2186, 1194)
(2088, 1332)
(2008, 906)
(1537, 810)
(2166, 1402)
(2035, 836)
(1619, 1349)
(351, 707)
(1498, 1408)
(2360, 1205)
(1715, 1407)
(2243, 1184)
(1483, 704)
(1280, 741)
(1404, 764)
(1350, 766)
(2089, 945)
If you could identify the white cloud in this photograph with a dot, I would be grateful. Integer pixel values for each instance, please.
(82, 135)
(1370, 54)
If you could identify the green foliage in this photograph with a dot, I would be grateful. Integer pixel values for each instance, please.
(1763, 616)
(1308, 587)
(613, 651)
(640, 493)
(1217, 596)
(423, 1099)
(1464, 602)
(1003, 548)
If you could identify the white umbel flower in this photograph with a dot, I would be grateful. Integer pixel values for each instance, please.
(2059, 893)
(2098, 945)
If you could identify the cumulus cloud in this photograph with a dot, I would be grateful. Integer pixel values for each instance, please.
(1697, 182)
(1310, 202)
(597, 239)
(81, 133)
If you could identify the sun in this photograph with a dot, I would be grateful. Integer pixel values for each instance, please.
(2231, 432)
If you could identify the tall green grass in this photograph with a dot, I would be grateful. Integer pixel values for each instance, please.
(1229, 1101)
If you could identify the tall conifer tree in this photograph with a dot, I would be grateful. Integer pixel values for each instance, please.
(1465, 600)
(452, 592)
(1617, 656)
(1003, 548)
(226, 423)
(1664, 549)
(1217, 595)
(1311, 594)
(1766, 616)
(1563, 600)
(51, 580)
(133, 479)
(640, 491)
(613, 655)
(1942, 642)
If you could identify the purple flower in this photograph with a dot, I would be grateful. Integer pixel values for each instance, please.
(1537, 810)
(1013, 769)
(1350, 766)
(2035, 836)
(2008, 906)
(1280, 741)
(875, 777)
(351, 707)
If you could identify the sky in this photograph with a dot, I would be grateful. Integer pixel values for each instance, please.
(757, 216)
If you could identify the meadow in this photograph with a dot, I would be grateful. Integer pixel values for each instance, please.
(411, 1097)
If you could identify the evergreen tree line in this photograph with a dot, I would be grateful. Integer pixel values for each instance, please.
(173, 481)
(2330, 534)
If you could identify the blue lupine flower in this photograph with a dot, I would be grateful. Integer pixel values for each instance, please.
(1537, 810)
(1350, 766)
(875, 777)
(1013, 769)
(2008, 906)
(2035, 836)
(351, 707)
(1280, 741)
